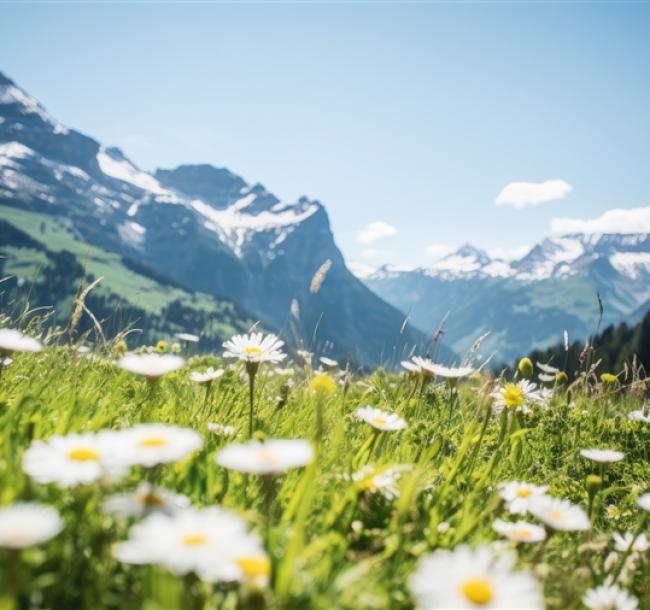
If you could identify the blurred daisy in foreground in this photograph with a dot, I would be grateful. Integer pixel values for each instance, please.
(439, 370)
(609, 597)
(516, 396)
(518, 495)
(521, 531)
(151, 444)
(328, 363)
(72, 460)
(255, 348)
(623, 542)
(644, 501)
(207, 376)
(640, 415)
(210, 542)
(221, 429)
(548, 369)
(151, 366)
(273, 456)
(381, 420)
(187, 337)
(473, 578)
(560, 515)
(411, 367)
(602, 456)
(383, 481)
(26, 524)
(12, 340)
(144, 500)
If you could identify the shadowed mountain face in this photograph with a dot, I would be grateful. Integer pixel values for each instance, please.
(528, 303)
(203, 227)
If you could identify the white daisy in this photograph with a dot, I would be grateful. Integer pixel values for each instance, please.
(221, 429)
(210, 542)
(383, 481)
(544, 378)
(208, 376)
(72, 460)
(639, 415)
(516, 396)
(187, 337)
(270, 457)
(12, 340)
(381, 420)
(151, 444)
(26, 524)
(144, 500)
(5, 361)
(411, 367)
(644, 501)
(602, 456)
(328, 363)
(559, 514)
(521, 531)
(447, 372)
(518, 495)
(255, 348)
(622, 542)
(609, 597)
(548, 369)
(151, 366)
(473, 578)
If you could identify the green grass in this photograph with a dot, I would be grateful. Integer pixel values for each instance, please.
(333, 545)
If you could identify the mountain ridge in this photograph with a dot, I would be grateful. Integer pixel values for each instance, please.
(225, 237)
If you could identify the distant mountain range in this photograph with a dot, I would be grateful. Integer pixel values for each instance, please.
(198, 227)
(527, 303)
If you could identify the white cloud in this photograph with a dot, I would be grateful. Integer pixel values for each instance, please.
(522, 194)
(509, 254)
(437, 251)
(617, 220)
(361, 270)
(374, 231)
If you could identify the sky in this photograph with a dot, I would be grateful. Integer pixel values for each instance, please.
(420, 126)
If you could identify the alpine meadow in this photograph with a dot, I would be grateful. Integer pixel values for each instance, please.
(431, 392)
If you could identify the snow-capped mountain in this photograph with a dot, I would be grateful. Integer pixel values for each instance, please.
(525, 303)
(202, 226)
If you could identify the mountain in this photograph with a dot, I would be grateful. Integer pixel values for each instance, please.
(202, 227)
(526, 303)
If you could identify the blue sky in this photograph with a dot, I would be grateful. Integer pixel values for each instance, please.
(414, 116)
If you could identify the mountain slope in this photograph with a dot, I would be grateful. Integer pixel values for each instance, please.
(201, 226)
(525, 304)
(42, 264)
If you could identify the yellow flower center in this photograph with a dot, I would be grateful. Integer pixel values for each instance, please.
(524, 492)
(513, 395)
(152, 499)
(556, 515)
(254, 566)
(478, 591)
(379, 421)
(323, 384)
(194, 539)
(153, 441)
(253, 350)
(83, 454)
(521, 533)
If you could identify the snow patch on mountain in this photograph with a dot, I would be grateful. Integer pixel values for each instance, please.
(236, 224)
(631, 264)
(10, 94)
(124, 170)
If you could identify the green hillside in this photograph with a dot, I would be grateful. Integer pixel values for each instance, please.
(43, 264)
